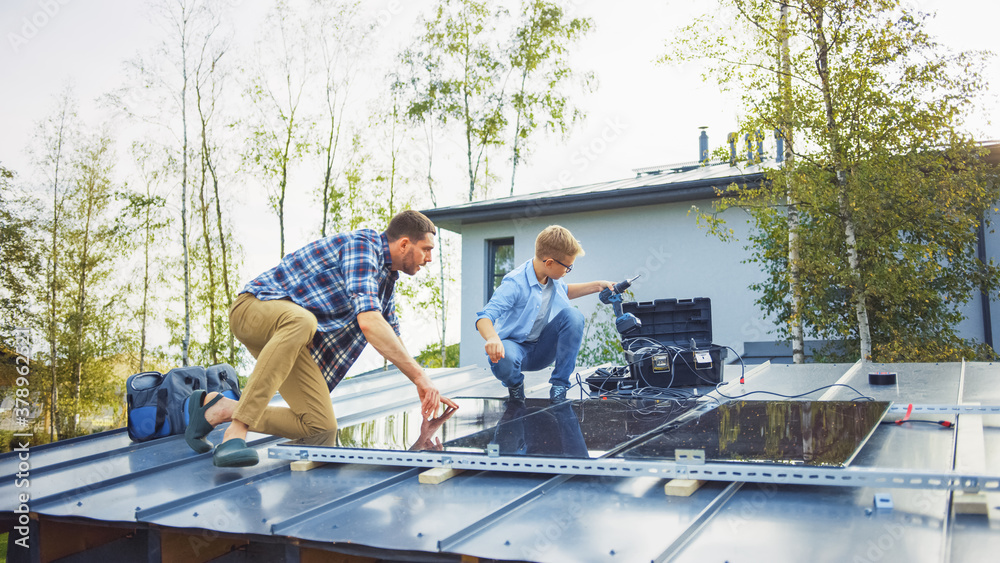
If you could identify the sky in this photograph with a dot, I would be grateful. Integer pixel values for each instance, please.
(642, 114)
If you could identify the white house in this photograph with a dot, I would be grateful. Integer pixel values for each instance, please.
(640, 225)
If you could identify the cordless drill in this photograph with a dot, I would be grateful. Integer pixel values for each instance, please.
(624, 322)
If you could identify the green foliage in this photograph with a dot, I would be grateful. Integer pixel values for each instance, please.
(90, 339)
(430, 356)
(890, 192)
(601, 341)
(278, 132)
(459, 75)
(20, 258)
(538, 58)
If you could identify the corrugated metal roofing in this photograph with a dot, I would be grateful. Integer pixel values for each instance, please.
(102, 497)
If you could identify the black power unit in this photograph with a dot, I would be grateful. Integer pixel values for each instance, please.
(673, 347)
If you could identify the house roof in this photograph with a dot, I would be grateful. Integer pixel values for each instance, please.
(102, 497)
(688, 181)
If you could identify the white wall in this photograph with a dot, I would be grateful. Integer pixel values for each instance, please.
(677, 259)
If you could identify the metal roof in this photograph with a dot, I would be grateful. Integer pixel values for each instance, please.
(652, 185)
(103, 497)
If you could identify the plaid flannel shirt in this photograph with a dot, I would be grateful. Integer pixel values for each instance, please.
(335, 278)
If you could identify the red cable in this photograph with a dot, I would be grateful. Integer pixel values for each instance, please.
(909, 410)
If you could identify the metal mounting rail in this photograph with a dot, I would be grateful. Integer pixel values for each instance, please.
(944, 409)
(616, 467)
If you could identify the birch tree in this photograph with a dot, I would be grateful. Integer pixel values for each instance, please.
(887, 187)
(54, 141)
(279, 132)
(468, 82)
(538, 57)
(145, 209)
(341, 40)
(91, 249)
(208, 83)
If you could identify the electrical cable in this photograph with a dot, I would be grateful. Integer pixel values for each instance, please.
(861, 395)
(942, 423)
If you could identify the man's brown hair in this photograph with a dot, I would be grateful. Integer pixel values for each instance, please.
(558, 243)
(411, 224)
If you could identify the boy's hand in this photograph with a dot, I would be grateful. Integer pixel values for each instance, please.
(494, 349)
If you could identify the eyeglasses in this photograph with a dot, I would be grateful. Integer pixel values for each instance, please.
(568, 268)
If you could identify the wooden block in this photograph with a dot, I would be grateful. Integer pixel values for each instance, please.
(682, 487)
(438, 475)
(971, 503)
(305, 465)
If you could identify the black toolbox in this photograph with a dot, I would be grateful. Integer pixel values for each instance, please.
(673, 347)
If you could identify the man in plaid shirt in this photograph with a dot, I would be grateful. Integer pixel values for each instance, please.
(307, 321)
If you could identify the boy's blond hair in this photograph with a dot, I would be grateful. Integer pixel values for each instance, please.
(558, 243)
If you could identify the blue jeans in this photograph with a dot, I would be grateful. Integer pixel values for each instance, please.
(559, 342)
(553, 431)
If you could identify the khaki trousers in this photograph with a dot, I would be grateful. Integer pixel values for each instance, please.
(278, 333)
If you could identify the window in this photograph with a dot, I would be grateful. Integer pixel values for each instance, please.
(499, 261)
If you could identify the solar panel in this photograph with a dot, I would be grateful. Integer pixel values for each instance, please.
(818, 433)
(827, 433)
(574, 429)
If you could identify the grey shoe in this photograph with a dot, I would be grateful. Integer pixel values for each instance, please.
(557, 393)
(516, 392)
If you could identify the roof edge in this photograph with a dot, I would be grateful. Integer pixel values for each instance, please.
(452, 218)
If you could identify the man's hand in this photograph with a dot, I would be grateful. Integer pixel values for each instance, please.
(430, 398)
(494, 349)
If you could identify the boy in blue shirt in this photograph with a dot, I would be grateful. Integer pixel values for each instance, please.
(529, 324)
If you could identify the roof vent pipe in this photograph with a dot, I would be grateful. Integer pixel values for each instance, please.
(732, 148)
(779, 141)
(703, 145)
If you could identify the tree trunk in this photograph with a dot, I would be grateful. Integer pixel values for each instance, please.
(468, 123)
(283, 183)
(795, 281)
(81, 305)
(331, 154)
(186, 342)
(225, 258)
(145, 289)
(516, 154)
(326, 180)
(850, 234)
(206, 166)
(429, 135)
(210, 262)
(444, 311)
(468, 151)
(54, 390)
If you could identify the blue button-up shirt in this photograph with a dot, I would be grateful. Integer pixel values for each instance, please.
(515, 304)
(336, 278)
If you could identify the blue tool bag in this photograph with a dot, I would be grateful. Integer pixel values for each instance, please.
(156, 402)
